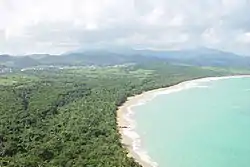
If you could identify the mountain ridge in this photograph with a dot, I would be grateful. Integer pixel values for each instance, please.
(196, 57)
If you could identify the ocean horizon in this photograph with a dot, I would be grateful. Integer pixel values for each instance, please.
(201, 123)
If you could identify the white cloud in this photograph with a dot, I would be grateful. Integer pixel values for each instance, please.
(56, 26)
(244, 38)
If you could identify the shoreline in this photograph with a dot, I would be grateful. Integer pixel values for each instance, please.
(126, 124)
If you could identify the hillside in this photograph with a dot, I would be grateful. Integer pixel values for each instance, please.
(195, 57)
(18, 61)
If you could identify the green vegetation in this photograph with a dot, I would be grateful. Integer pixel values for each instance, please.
(12, 79)
(195, 57)
(67, 118)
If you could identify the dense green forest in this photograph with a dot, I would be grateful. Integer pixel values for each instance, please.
(67, 117)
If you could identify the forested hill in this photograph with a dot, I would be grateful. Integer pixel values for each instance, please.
(74, 59)
(195, 57)
(67, 117)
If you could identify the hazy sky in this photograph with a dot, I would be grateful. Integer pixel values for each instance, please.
(56, 26)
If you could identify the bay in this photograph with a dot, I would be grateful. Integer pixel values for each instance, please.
(204, 126)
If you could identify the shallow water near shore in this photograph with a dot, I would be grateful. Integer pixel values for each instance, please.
(202, 126)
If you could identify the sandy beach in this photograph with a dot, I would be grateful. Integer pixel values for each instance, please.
(127, 124)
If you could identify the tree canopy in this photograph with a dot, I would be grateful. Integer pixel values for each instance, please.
(67, 118)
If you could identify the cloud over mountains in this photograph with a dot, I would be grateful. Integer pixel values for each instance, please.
(56, 26)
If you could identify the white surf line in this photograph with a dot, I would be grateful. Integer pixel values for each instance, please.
(130, 131)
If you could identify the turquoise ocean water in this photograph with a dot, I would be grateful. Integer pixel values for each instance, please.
(206, 126)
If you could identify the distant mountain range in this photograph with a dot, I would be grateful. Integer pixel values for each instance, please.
(197, 57)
